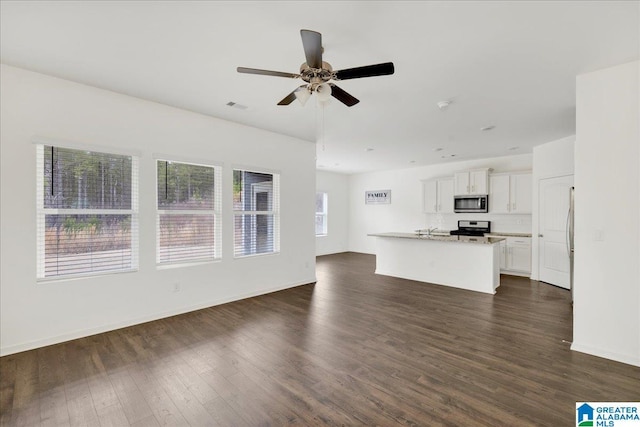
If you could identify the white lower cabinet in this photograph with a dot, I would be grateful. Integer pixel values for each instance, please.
(515, 256)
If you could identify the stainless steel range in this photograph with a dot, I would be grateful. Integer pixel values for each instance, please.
(472, 228)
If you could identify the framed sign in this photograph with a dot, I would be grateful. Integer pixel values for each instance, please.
(377, 197)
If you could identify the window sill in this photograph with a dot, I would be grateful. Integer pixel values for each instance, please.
(256, 255)
(84, 276)
(194, 263)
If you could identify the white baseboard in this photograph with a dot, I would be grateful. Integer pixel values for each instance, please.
(629, 359)
(82, 333)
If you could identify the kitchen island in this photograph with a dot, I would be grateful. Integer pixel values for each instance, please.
(464, 262)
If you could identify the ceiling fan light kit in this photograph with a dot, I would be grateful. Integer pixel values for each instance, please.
(318, 74)
(302, 94)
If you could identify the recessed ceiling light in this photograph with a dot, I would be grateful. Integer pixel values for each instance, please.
(486, 128)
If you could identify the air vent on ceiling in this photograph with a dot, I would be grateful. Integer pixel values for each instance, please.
(236, 105)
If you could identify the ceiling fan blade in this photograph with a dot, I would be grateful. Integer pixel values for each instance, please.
(267, 72)
(366, 71)
(312, 44)
(343, 96)
(291, 97)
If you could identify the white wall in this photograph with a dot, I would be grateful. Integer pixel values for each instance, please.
(336, 186)
(607, 227)
(34, 314)
(405, 211)
(552, 159)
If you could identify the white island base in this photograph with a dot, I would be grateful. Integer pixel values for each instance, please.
(466, 264)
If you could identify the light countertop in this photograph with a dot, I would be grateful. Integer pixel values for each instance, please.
(497, 233)
(441, 238)
(439, 232)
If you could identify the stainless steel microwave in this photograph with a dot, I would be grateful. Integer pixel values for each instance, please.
(471, 203)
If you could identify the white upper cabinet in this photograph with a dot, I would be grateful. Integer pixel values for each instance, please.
(472, 182)
(521, 193)
(499, 198)
(445, 195)
(438, 196)
(510, 193)
(430, 196)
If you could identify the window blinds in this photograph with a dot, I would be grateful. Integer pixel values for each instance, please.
(256, 201)
(87, 212)
(321, 214)
(188, 222)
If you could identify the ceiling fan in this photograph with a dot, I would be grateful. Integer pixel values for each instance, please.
(318, 74)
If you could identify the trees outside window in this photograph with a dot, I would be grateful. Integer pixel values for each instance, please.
(188, 221)
(87, 212)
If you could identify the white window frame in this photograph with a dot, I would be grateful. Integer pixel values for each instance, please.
(42, 212)
(324, 214)
(274, 193)
(216, 212)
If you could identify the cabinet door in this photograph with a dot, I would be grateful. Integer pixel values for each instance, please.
(503, 255)
(499, 201)
(521, 193)
(519, 254)
(520, 257)
(478, 182)
(430, 199)
(462, 183)
(445, 195)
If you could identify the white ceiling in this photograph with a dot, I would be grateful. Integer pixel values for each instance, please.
(508, 64)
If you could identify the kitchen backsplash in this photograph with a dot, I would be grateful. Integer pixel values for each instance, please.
(507, 223)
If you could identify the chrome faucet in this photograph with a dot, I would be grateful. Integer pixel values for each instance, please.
(426, 231)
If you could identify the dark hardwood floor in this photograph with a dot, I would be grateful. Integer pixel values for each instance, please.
(353, 349)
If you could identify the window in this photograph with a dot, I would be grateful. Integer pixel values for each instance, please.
(321, 214)
(256, 221)
(87, 212)
(188, 205)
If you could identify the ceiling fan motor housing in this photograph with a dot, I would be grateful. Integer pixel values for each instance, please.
(316, 76)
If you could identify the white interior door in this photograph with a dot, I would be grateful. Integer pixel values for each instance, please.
(553, 245)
